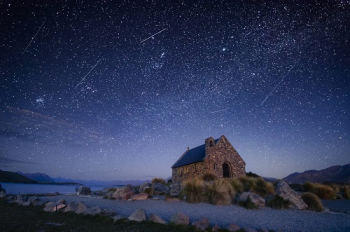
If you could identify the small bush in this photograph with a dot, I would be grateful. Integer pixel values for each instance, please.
(248, 183)
(346, 191)
(237, 185)
(209, 177)
(252, 174)
(278, 202)
(170, 181)
(193, 189)
(219, 192)
(158, 180)
(263, 188)
(247, 204)
(149, 191)
(322, 191)
(313, 202)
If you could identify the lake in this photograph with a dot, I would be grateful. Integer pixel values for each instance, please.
(19, 188)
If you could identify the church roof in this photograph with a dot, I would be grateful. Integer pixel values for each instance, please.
(191, 156)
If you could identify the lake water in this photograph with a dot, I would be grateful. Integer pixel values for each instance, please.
(19, 188)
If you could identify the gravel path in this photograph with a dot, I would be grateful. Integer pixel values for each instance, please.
(284, 220)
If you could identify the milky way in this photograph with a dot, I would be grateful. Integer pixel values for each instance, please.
(118, 90)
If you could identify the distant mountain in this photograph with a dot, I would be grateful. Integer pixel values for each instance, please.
(14, 177)
(39, 177)
(337, 173)
(89, 183)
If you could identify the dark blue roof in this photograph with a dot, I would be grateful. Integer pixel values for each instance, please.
(193, 155)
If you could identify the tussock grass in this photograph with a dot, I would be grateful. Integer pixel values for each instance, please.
(247, 204)
(237, 185)
(278, 202)
(263, 188)
(248, 183)
(313, 202)
(346, 191)
(159, 180)
(149, 191)
(321, 190)
(193, 189)
(209, 177)
(219, 192)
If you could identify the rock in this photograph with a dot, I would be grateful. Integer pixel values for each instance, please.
(138, 215)
(175, 189)
(19, 199)
(109, 194)
(159, 187)
(108, 212)
(93, 211)
(140, 196)
(287, 193)
(157, 219)
(76, 207)
(33, 200)
(233, 227)
(118, 217)
(3, 194)
(39, 203)
(256, 199)
(215, 228)
(52, 207)
(60, 201)
(201, 223)
(124, 193)
(27, 203)
(2, 189)
(83, 190)
(144, 186)
(180, 219)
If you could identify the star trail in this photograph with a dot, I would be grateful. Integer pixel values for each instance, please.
(119, 89)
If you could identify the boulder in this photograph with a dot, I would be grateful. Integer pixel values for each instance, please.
(124, 193)
(201, 223)
(287, 193)
(61, 201)
(10, 198)
(140, 196)
(32, 200)
(138, 215)
(256, 199)
(180, 219)
(93, 211)
(52, 207)
(144, 186)
(2, 194)
(27, 203)
(82, 190)
(175, 189)
(74, 207)
(159, 187)
(157, 219)
(216, 227)
(118, 217)
(19, 199)
(233, 227)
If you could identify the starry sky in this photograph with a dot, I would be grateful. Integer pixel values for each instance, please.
(117, 90)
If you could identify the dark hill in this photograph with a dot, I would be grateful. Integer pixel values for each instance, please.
(14, 177)
(39, 177)
(337, 174)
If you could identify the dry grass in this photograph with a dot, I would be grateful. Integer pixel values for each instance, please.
(248, 183)
(149, 191)
(193, 189)
(346, 191)
(209, 177)
(219, 192)
(278, 202)
(159, 180)
(321, 190)
(263, 188)
(314, 203)
(237, 185)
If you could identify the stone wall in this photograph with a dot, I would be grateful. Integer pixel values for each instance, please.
(217, 157)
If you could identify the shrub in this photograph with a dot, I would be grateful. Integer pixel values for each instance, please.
(322, 191)
(252, 174)
(278, 202)
(170, 181)
(248, 183)
(247, 204)
(158, 180)
(237, 185)
(193, 189)
(149, 191)
(312, 201)
(263, 188)
(219, 192)
(209, 177)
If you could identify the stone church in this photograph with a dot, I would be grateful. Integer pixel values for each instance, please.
(218, 157)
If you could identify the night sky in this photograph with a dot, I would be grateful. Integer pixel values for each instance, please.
(117, 90)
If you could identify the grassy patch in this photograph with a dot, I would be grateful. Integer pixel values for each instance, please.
(247, 204)
(263, 188)
(237, 185)
(278, 202)
(313, 202)
(159, 180)
(321, 190)
(218, 192)
(193, 189)
(14, 217)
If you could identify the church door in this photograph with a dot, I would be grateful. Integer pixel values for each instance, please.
(226, 170)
